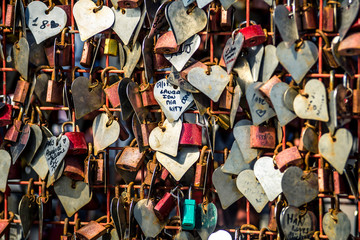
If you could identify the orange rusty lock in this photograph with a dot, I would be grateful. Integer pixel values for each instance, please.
(325, 178)
(288, 157)
(327, 51)
(21, 90)
(59, 52)
(93, 230)
(13, 132)
(350, 46)
(9, 14)
(166, 44)
(225, 100)
(87, 53)
(150, 168)
(262, 137)
(253, 35)
(265, 89)
(200, 168)
(74, 167)
(112, 90)
(77, 140)
(5, 224)
(55, 89)
(147, 92)
(130, 158)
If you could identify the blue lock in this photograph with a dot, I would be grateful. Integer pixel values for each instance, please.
(188, 222)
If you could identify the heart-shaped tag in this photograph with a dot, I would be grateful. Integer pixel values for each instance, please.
(55, 152)
(41, 87)
(232, 50)
(179, 165)
(126, 20)
(297, 61)
(286, 25)
(132, 57)
(283, 114)
(339, 229)
(260, 110)
(269, 63)
(104, 132)
(39, 161)
(348, 13)
(225, 187)
(298, 187)
(44, 25)
(86, 100)
(212, 84)
(28, 211)
(312, 103)
(310, 140)
(19, 146)
(297, 224)
(33, 145)
(248, 185)
(268, 176)
(187, 2)
(173, 101)
(235, 163)
(242, 137)
(186, 50)
(184, 24)
(206, 220)
(21, 53)
(146, 218)
(91, 21)
(72, 195)
(242, 69)
(254, 57)
(159, 137)
(235, 104)
(5, 164)
(336, 149)
(227, 3)
(125, 105)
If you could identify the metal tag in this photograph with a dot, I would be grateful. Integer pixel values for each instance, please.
(114, 216)
(132, 57)
(86, 100)
(226, 188)
(297, 225)
(297, 188)
(206, 220)
(55, 152)
(235, 104)
(125, 105)
(173, 101)
(90, 22)
(268, 176)
(104, 133)
(159, 137)
(187, 2)
(5, 164)
(186, 50)
(73, 196)
(289, 97)
(260, 110)
(44, 25)
(336, 149)
(348, 13)
(312, 103)
(269, 63)
(250, 187)
(151, 8)
(33, 145)
(41, 87)
(297, 62)
(160, 23)
(133, 94)
(254, 57)
(232, 50)
(242, 137)
(242, 69)
(286, 25)
(28, 213)
(203, 3)
(184, 25)
(179, 165)
(148, 56)
(37, 55)
(175, 79)
(126, 20)
(235, 163)
(227, 3)
(310, 140)
(19, 146)
(336, 229)
(146, 218)
(345, 62)
(211, 85)
(39, 161)
(283, 114)
(21, 56)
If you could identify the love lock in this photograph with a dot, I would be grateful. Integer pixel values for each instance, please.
(253, 35)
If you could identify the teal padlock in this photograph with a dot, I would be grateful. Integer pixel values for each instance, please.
(189, 210)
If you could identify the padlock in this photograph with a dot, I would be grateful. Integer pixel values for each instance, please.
(327, 52)
(99, 168)
(164, 174)
(288, 157)
(350, 46)
(195, 64)
(225, 100)
(66, 235)
(262, 137)
(60, 50)
(87, 53)
(215, 16)
(9, 14)
(129, 3)
(253, 35)
(55, 89)
(74, 167)
(189, 208)
(111, 47)
(147, 92)
(130, 158)
(93, 230)
(166, 44)
(265, 89)
(339, 183)
(21, 90)
(94, 169)
(151, 169)
(6, 111)
(325, 178)
(226, 18)
(330, 13)
(308, 15)
(272, 225)
(77, 140)
(356, 98)
(191, 135)
(13, 132)
(67, 8)
(200, 169)
(146, 129)
(166, 204)
(160, 62)
(5, 224)
(112, 90)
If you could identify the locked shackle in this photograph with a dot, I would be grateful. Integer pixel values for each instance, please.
(128, 191)
(242, 24)
(68, 123)
(99, 5)
(276, 151)
(100, 219)
(226, 154)
(202, 154)
(332, 80)
(73, 73)
(30, 190)
(262, 233)
(307, 158)
(104, 78)
(66, 226)
(51, 7)
(133, 143)
(21, 112)
(111, 117)
(249, 227)
(63, 34)
(325, 38)
(142, 191)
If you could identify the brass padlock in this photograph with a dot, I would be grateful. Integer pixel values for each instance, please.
(93, 230)
(130, 158)
(112, 90)
(200, 169)
(327, 52)
(55, 88)
(13, 132)
(87, 53)
(21, 90)
(111, 47)
(330, 13)
(262, 137)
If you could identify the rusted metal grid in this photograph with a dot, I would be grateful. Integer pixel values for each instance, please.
(109, 189)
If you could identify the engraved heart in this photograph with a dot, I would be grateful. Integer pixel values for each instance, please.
(89, 20)
(339, 229)
(43, 25)
(336, 149)
(206, 220)
(298, 187)
(55, 151)
(126, 20)
(348, 13)
(232, 50)
(312, 103)
(104, 133)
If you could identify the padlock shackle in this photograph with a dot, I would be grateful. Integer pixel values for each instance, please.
(241, 25)
(68, 123)
(30, 187)
(21, 112)
(248, 227)
(276, 151)
(63, 34)
(100, 219)
(73, 73)
(324, 37)
(66, 226)
(90, 149)
(262, 233)
(142, 192)
(128, 192)
(133, 143)
(110, 116)
(332, 80)
(104, 78)
(226, 154)
(202, 154)
(307, 158)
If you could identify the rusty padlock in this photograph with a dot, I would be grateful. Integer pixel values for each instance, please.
(325, 178)
(147, 92)
(253, 35)
(87, 54)
(21, 90)
(74, 167)
(166, 44)
(150, 169)
(356, 98)
(339, 183)
(129, 3)
(55, 89)
(160, 62)
(142, 131)
(308, 15)
(350, 46)
(195, 64)
(93, 230)
(77, 140)
(288, 157)
(6, 111)
(112, 90)
(94, 169)
(67, 8)
(226, 18)
(327, 52)
(200, 169)
(59, 53)
(130, 158)
(5, 224)
(330, 13)
(265, 89)
(9, 14)
(191, 135)
(225, 100)
(262, 137)
(215, 16)
(166, 204)
(13, 132)
(66, 235)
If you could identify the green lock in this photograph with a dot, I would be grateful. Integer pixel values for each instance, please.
(188, 222)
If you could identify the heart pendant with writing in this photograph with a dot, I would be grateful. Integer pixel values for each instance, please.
(55, 152)
(298, 187)
(173, 101)
(286, 25)
(126, 20)
(159, 137)
(336, 149)
(206, 220)
(336, 225)
(242, 137)
(283, 114)
(89, 21)
(312, 103)
(232, 50)
(235, 163)
(105, 133)
(43, 24)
